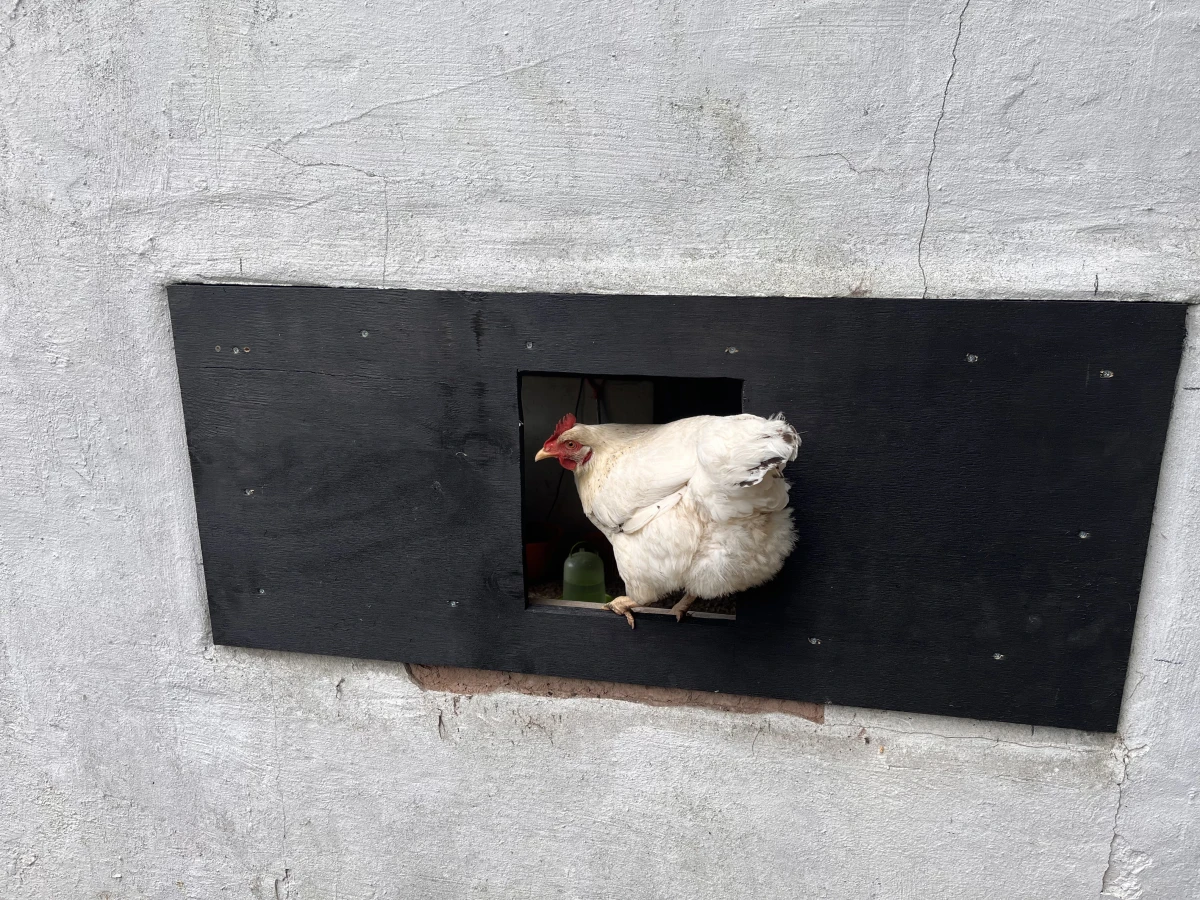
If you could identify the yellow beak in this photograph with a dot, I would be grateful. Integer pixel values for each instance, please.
(542, 454)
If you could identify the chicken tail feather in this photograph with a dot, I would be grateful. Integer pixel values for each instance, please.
(741, 464)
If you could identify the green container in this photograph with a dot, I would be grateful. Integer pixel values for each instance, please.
(583, 576)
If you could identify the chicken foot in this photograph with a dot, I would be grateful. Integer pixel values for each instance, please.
(622, 606)
(681, 608)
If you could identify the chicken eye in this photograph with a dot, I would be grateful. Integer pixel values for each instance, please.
(571, 445)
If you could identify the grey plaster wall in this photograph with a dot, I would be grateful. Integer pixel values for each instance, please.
(975, 149)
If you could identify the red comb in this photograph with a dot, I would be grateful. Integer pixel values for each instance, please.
(566, 422)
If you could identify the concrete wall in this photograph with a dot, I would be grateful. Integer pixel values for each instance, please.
(978, 149)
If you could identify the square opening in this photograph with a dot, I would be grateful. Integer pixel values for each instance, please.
(552, 518)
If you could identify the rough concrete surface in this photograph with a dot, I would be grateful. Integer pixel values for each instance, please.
(973, 149)
(469, 682)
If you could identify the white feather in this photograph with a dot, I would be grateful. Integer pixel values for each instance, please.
(698, 505)
(648, 514)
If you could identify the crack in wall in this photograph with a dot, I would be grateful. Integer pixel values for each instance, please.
(285, 882)
(387, 216)
(323, 165)
(1123, 758)
(844, 158)
(989, 739)
(1125, 864)
(933, 151)
(441, 92)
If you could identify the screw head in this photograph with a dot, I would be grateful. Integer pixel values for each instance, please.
(1106, 373)
(217, 348)
(731, 350)
(262, 590)
(365, 333)
(529, 345)
(972, 358)
(997, 656)
(237, 350)
(245, 349)
(1084, 535)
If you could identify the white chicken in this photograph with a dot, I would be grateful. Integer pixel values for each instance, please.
(698, 505)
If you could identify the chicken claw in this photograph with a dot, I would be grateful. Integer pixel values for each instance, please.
(681, 608)
(622, 606)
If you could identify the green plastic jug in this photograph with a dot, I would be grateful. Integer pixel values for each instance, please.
(583, 576)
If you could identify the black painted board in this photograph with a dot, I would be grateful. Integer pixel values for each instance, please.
(360, 495)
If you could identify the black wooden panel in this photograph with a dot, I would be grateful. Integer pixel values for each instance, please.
(360, 496)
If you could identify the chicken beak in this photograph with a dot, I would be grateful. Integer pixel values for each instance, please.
(542, 454)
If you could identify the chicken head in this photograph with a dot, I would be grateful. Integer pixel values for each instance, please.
(564, 447)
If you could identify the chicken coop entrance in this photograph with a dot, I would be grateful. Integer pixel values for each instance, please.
(552, 519)
(972, 502)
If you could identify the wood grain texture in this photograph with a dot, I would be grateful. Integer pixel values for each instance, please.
(360, 496)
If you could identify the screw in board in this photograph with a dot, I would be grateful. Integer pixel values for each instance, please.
(731, 350)
(1106, 373)
(1084, 535)
(997, 656)
(971, 357)
(365, 333)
